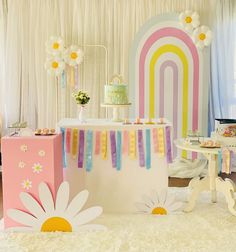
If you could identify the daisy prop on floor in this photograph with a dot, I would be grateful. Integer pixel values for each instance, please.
(61, 216)
(55, 45)
(202, 36)
(159, 203)
(189, 20)
(54, 66)
(73, 55)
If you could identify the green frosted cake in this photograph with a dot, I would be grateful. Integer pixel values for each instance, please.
(115, 94)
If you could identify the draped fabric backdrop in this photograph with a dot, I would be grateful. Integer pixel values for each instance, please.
(31, 94)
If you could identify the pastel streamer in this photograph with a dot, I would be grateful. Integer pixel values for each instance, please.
(63, 147)
(81, 149)
(161, 144)
(76, 76)
(168, 145)
(72, 77)
(63, 79)
(132, 144)
(74, 142)
(104, 145)
(155, 140)
(113, 148)
(68, 74)
(98, 142)
(118, 150)
(148, 148)
(141, 149)
(89, 150)
(68, 140)
(125, 142)
(219, 161)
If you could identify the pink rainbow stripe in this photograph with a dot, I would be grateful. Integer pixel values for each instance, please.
(177, 33)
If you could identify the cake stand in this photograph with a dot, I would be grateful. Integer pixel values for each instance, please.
(116, 110)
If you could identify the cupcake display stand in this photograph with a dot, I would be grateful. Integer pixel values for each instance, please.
(116, 110)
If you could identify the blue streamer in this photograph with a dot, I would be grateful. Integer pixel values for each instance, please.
(63, 79)
(63, 147)
(118, 150)
(148, 149)
(219, 161)
(89, 150)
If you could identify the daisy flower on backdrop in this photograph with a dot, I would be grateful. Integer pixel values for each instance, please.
(202, 36)
(189, 20)
(73, 55)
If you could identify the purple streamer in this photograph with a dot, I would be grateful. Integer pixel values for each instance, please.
(81, 149)
(113, 148)
(141, 149)
(168, 145)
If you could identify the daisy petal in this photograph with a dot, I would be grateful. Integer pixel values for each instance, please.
(170, 199)
(87, 215)
(175, 206)
(148, 201)
(46, 198)
(62, 197)
(162, 197)
(91, 227)
(77, 203)
(22, 217)
(142, 207)
(31, 204)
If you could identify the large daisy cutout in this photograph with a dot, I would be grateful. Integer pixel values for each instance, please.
(73, 55)
(55, 45)
(61, 216)
(189, 20)
(55, 66)
(202, 36)
(159, 203)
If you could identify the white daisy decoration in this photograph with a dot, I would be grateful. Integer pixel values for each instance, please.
(23, 147)
(37, 168)
(41, 153)
(48, 216)
(54, 66)
(55, 45)
(202, 36)
(73, 55)
(189, 20)
(160, 203)
(27, 184)
(21, 164)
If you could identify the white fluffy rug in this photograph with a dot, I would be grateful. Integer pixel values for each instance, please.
(210, 227)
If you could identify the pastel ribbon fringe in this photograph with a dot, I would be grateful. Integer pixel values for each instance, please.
(141, 149)
(161, 143)
(155, 140)
(104, 145)
(125, 142)
(113, 148)
(168, 145)
(132, 144)
(74, 142)
(89, 150)
(118, 150)
(148, 149)
(68, 140)
(98, 142)
(63, 147)
(81, 149)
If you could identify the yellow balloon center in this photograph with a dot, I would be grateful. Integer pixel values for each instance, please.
(55, 45)
(188, 20)
(202, 36)
(73, 55)
(54, 224)
(159, 210)
(55, 64)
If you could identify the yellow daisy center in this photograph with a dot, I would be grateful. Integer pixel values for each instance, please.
(73, 55)
(202, 36)
(55, 64)
(188, 20)
(55, 45)
(56, 224)
(159, 210)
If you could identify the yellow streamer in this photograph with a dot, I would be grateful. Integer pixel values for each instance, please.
(74, 142)
(161, 142)
(176, 50)
(104, 144)
(132, 144)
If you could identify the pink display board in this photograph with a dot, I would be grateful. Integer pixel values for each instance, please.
(27, 161)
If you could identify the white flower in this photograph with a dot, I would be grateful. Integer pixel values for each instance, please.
(47, 215)
(160, 203)
(54, 66)
(37, 168)
(41, 153)
(26, 184)
(202, 36)
(23, 147)
(73, 55)
(189, 20)
(21, 164)
(55, 45)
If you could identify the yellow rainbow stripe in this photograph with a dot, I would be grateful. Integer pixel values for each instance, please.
(176, 50)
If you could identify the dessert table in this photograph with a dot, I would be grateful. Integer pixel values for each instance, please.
(212, 182)
(116, 163)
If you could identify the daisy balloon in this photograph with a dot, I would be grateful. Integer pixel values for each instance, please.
(189, 20)
(159, 203)
(73, 55)
(202, 36)
(61, 216)
(55, 66)
(55, 45)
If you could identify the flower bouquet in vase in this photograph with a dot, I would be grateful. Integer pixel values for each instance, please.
(81, 98)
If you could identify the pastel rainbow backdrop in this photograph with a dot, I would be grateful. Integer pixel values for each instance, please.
(165, 75)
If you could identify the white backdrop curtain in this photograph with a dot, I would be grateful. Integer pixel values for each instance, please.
(31, 94)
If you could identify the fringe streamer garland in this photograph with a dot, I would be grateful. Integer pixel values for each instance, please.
(125, 142)
(63, 147)
(141, 149)
(118, 150)
(89, 150)
(97, 142)
(168, 145)
(104, 145)
(74, 142)
(161, 143)
(113, 148)
(148, 148)
(81, 149)
(68, 137)
(132, 144)
(155, 140)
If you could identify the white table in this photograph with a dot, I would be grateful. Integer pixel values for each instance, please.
(211, 182)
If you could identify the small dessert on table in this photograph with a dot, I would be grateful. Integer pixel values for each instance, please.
(150, 121)
(127, 121)
(210, 144)
(138, 121)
